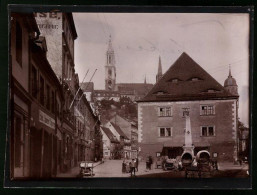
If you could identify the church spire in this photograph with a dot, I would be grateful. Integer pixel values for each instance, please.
(145, 79)
(110, 48)
(229, 74)
(110, 69)
(159, 73)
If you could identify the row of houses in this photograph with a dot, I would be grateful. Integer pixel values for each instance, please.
(120, 138)
(53, 126)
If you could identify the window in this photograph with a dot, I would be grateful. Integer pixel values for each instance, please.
(109, 60)
(165, 111)
(168, 111)
(207, 131)
(174, 80)
(165, 132)
(195, 79)
(57, 109)
(207, 110)
(52, 102)
(158, 154)
(18, 141)
(110, 72)
(18, 44)
(34, 82)
(48, 97)
(185, 112)
(42, 91)
(162, 132)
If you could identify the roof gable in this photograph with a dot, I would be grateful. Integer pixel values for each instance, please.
(186, 80)
(119, 131)
(109, 134)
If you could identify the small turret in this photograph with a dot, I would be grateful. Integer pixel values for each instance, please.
(230, 84)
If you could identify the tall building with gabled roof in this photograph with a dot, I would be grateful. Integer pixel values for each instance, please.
(187, 89)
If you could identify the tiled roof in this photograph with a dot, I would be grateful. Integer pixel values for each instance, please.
(186, 80)
(109, 134)
(106, 91)
(138, 88)
(118, 129)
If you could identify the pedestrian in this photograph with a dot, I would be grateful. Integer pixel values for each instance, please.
(147, 163)
(137, 164)
(150, 162)
(123, 166)
(132, 167)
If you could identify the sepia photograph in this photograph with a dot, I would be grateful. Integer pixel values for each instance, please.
(129, 95)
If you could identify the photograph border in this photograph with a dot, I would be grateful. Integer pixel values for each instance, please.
(118, 183)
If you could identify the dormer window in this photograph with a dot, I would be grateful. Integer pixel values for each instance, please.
(210, 91)
(174, 80)
(160, 93)
(195, 79)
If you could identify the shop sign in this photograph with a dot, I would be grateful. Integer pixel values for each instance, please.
(46, 120)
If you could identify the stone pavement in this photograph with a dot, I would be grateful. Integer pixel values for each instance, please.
(113, 168)
(232, 166)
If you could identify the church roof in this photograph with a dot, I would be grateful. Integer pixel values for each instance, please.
(186, 80)
(138, 88)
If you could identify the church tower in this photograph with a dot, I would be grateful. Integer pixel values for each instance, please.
(230, 84)
(110, 69)
(159, 73)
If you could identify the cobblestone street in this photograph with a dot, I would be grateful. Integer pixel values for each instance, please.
(113, 168)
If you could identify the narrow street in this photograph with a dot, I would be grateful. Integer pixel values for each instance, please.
(113, 168)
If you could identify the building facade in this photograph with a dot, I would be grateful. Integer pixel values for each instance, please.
(36, 147)
(130, 130)
(125, 143)
(110, 142)
(20, 99)
(188, 90)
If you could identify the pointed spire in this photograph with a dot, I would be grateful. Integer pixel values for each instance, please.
(160, 66)
(110, 44)
(229, 75)
(145, 79)
(159, 73)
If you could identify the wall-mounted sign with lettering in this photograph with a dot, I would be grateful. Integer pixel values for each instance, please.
(46, 120)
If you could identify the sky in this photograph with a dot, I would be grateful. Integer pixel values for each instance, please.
(214, 40)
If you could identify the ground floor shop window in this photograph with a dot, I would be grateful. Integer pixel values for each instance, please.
(19, 125)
